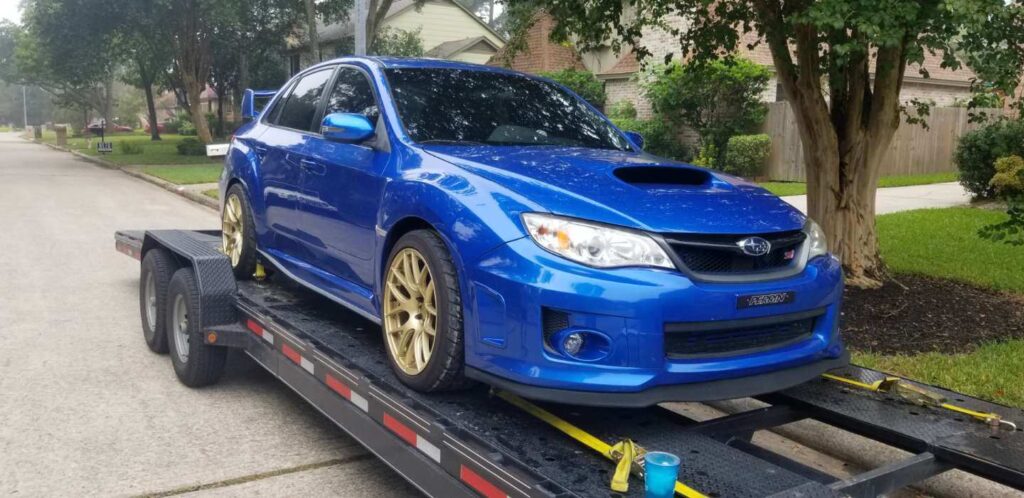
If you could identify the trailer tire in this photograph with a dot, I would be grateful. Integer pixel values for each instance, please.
(195, 363)
(245, 265)
(445, 369)
(155, 275)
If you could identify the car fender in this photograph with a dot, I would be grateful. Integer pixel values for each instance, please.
(242, 165)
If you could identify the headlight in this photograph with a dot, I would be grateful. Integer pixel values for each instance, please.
(593, 244)
(817, 244)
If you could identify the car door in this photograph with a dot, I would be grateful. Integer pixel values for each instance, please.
(342, 185)
(281, 146)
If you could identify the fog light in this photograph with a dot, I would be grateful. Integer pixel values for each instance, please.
(572, 344)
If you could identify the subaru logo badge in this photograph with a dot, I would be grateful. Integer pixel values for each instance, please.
(754, 246)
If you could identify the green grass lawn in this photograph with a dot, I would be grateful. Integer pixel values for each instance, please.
(162, 152)
(991, 372)
(186, 175)
(944, 243)
(800, 188)
(212, 193)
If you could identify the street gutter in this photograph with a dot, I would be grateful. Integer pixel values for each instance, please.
(196, 197)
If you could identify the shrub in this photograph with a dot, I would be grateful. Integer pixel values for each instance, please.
(659, 138)
(745, 155)
(191, 147)
(1009, 178)
(622, 109)
(131, 148)
(584, 83)
(186, 128)
(1008, 184)
(978, 150)
(707, 157)
(718, 99)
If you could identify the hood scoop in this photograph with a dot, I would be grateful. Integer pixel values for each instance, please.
(663, 176)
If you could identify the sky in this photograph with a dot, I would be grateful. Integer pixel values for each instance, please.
(9, 10)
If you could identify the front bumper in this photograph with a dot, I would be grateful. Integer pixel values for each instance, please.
(514, 286)
(712, 390)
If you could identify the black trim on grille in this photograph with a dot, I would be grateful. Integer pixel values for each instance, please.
(736, 337)
(721, 256)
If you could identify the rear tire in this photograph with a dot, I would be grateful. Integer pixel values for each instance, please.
(196, 364)
(238, 231)
(444, 370)
(157, 268)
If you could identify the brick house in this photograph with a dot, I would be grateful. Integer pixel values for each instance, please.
(619, 71)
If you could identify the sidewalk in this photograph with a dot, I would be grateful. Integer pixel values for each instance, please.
(894, 199)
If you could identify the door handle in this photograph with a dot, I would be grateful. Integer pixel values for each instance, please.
(313, 167)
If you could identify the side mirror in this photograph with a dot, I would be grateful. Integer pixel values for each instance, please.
(346, 127)
(636, 138)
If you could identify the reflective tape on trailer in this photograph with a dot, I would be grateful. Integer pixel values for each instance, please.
(346, 392)
(407, 425)
(259, 330)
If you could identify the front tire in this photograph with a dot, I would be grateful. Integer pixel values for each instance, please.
(238, 232)
(422, 314)
(195, 363)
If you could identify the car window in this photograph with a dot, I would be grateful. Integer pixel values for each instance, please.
(460, 106)
(297, 111)
(352, 94)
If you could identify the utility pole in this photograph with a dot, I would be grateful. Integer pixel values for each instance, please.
(24, 107)
(362, 11)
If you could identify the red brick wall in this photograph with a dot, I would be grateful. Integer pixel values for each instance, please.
(541, 54)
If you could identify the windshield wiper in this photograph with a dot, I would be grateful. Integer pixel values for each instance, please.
(441, 141)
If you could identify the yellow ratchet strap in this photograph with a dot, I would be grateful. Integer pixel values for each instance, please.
(627, 455)
(923, 397)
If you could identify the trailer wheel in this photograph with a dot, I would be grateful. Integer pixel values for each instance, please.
(157, 268)
(422, 308)
(195, 363)
(238, 232)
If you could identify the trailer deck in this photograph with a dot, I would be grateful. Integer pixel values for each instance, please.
(475, 443)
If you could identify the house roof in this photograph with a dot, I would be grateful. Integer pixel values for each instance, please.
(626, 66)
(450, 48)
(341, 30)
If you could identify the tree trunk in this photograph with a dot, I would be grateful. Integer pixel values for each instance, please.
(147, 87)
(314, 37)
(194, 90)
(220, 112)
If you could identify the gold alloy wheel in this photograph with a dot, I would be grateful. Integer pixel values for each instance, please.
(410, 311)
(231, 229)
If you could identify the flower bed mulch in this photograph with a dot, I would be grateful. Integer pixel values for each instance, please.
(929, 314)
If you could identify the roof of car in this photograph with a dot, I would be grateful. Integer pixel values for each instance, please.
(420, 62)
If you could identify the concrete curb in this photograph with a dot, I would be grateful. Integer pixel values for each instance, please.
(198, 198)
(864, 453)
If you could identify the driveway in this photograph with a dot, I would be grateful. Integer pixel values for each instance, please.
(86, 409)
(893, 199)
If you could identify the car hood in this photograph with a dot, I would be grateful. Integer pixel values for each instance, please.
(627, 188)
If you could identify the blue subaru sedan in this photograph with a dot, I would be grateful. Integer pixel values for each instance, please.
(500, 229)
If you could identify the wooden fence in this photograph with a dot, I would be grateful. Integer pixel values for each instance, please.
(914, 150)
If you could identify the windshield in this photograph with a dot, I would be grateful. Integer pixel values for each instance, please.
(468, 107)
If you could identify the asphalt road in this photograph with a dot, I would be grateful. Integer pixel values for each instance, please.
(86, 408)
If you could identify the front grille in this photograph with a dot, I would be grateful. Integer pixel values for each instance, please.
(721, 255)
(684, 340)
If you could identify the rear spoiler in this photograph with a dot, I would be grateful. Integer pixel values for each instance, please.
(250, 107)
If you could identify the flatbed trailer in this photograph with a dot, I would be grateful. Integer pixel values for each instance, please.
(474, 442)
